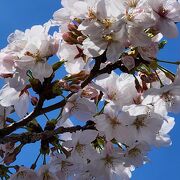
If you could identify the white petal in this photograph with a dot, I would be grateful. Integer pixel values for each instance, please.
(22, 105)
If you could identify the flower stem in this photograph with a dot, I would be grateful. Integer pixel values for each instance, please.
(168, 62)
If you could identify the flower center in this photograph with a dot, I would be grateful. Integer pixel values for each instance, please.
(36, 56)
(108, 161)
(114, 122)
(167, 97)
(132, 3)
(46, 175)
(112, 96)
(139, 122)
(108, 37)
(128, 16)
(107, 23)
(80, 148)
(91, 14)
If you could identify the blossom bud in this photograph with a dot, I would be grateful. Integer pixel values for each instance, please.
(144, 86)
(63, 84)
(80, 39)
(72, 27)
(57, 65)
(148, 79)
(50, 125)
(90, 92)
(11, 157)
(81, 76)
(36, 85)
(6, 75)
(70, 38)
(138, 86)
(56, 89)
(34, 126)
(34, 100)
(138, 99)
(74, 88)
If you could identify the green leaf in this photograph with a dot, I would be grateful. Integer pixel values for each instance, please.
(57, 65)
(162, 44)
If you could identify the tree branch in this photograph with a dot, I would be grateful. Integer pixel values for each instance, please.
(55, 106)
(14, 126)
(29, 137)
(93, 72)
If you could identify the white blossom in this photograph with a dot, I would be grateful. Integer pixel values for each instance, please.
(24, 173)
(137, 154)
(44, 173)
(82, 108)
(166, 14)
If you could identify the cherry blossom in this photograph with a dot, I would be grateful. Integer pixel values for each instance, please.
(113, 123)
(82, 108)
(45, 174)
(81, 144)
(166, 13)
(24, 173)
(112, 102)
(136, 155)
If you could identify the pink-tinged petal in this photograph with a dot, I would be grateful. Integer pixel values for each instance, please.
(84, 110)
(114, 51)
(88, 136)
(41, 71)
(24, 174)
(167, 125)
(128, 62)
(168, 28)
(95, 47)
(177, 78)
(61, 15)
(8, 96)
(6, 64)
(74, 67)
(174, 11)
(22, 105)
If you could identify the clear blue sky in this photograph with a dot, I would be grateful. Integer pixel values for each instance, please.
(22, 14)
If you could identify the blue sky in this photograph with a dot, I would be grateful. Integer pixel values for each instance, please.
(22, 14)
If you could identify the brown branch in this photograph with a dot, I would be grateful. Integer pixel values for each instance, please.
(55, 106)
(93, 72)
(29, 137)
(14, 126)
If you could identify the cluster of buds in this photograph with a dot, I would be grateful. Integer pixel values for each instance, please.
(74, 36)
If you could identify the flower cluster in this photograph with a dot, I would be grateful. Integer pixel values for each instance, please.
(122, 115)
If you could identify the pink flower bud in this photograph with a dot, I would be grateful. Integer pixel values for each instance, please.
(70, 38)
(74, 88)
(90, 92)
(80, 39)
(34, 100)
(72, 27)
